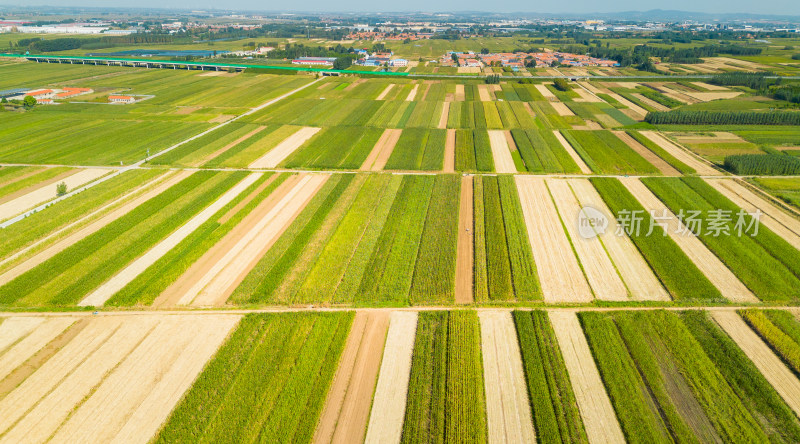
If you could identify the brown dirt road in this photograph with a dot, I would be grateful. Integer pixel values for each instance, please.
(443, 117)
(344, 417)
(465, 244)
(450, 152)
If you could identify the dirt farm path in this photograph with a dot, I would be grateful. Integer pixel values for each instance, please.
(382, 150)
(464, 249)
(385, 91)
(449, 152)
(161, 184)
(665, 168)
(709, 264)
(561, 277)
(598, 415)
(413, 93)
(702, 168)
(508, 410)
(445, 114)
(109, 288)
(782, 379)
(284, 149)
(344, 417)
(389, 403)
(503, 162)
(596, 264)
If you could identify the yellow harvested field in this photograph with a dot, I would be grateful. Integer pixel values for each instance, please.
(508, 411)
(665, 168)
(636, 109)
(709, 86)
(449, 164)
(600, 272)
(483, 93)
(15, 328)
(642, 283)
(31, 343)
(709, 96)
(464, 247)
(382, 150)
(284, 149)
(503, 162)
(774, 370)
(572, 153)
(443, 117)
(344, 417)
(413, 93)
(215, 286)
(598, 415)
(545, 91)
(772, 217)
(700, 166)
(389, 402)
(709, 264)
(108, 289)
(47, 192)
(561, 109)
(385, 91)
(587, 96)
(460, 95)
(561, 277)
(650, 102)
(152, 189)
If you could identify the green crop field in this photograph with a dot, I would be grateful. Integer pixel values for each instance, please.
(337, 147)
(604, 153)
(445, 393)
(267, 383)
(418, 149)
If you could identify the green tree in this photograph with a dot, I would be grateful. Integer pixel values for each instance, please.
(61, 189)
(561, 84)
(29, 102)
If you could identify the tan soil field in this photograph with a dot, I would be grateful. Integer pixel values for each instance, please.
(572, 153)
(700, 166)
(449, 151)
(483, 93)
(389, 403)
(503, 162)
(13, 329)
(544, 91)
(720, 276)
(385, 91)
(27, 346)
(772, 217)
(469, 70)
(709, 96)
(710, 87)
(47, 192)
(587, 96)
(636, 109)
(344, 417)
(215, 286)
(508, 411)
(774, 370)
(600, 272)
(282, 150)
(444, 115)
(142, 263)
(561, 277)
(561, 109)
(642, 283)
(598, 415)
(665, 168)
(159, 185)
(184, 110)
(228, 146)
(40, 185)
(427, 87)
(460, 96)
(650, 102)
(382, 150)
(413, 93)
(465, 244)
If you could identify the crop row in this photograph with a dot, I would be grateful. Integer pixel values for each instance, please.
(541, 152)
(473, 151)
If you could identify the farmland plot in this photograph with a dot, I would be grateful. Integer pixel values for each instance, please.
(445, 392)
(606, 154)
(268, 382)
(473, 151)
(542, 153)
(780, 330)
(337, 147)
(108, 378)
(280, 152)
(418, 149)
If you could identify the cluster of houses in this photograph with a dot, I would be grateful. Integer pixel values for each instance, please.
(378, 36)
(50, 96)
(519, 60)
(365, 59)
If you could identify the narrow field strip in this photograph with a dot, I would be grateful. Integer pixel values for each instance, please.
(650, 102)
(701, 167)
(413, 94)
(572, 153)
(595, 262)
(483, 93)
(377, 158)
(449, 152)
(561, 277)
(598, 415)
(284, 149)
(544, 91)
(507, 410)
(637, 110)
(639, 278)
(15, 328)
(728, 284)
(465, 244)
(774, 370)
(772, 217)
(17, 354)
(503, 162)
(37, 178)
(389, 402)
(444, 116)
(217, 284)
(561, 108)
(48, 192)
(100, 295)
(120, 206)
(215, 154)
(385, 91)
(344, 417)
(587, 96)
(662, 166)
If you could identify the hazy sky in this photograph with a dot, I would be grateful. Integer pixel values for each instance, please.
(784, 7)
